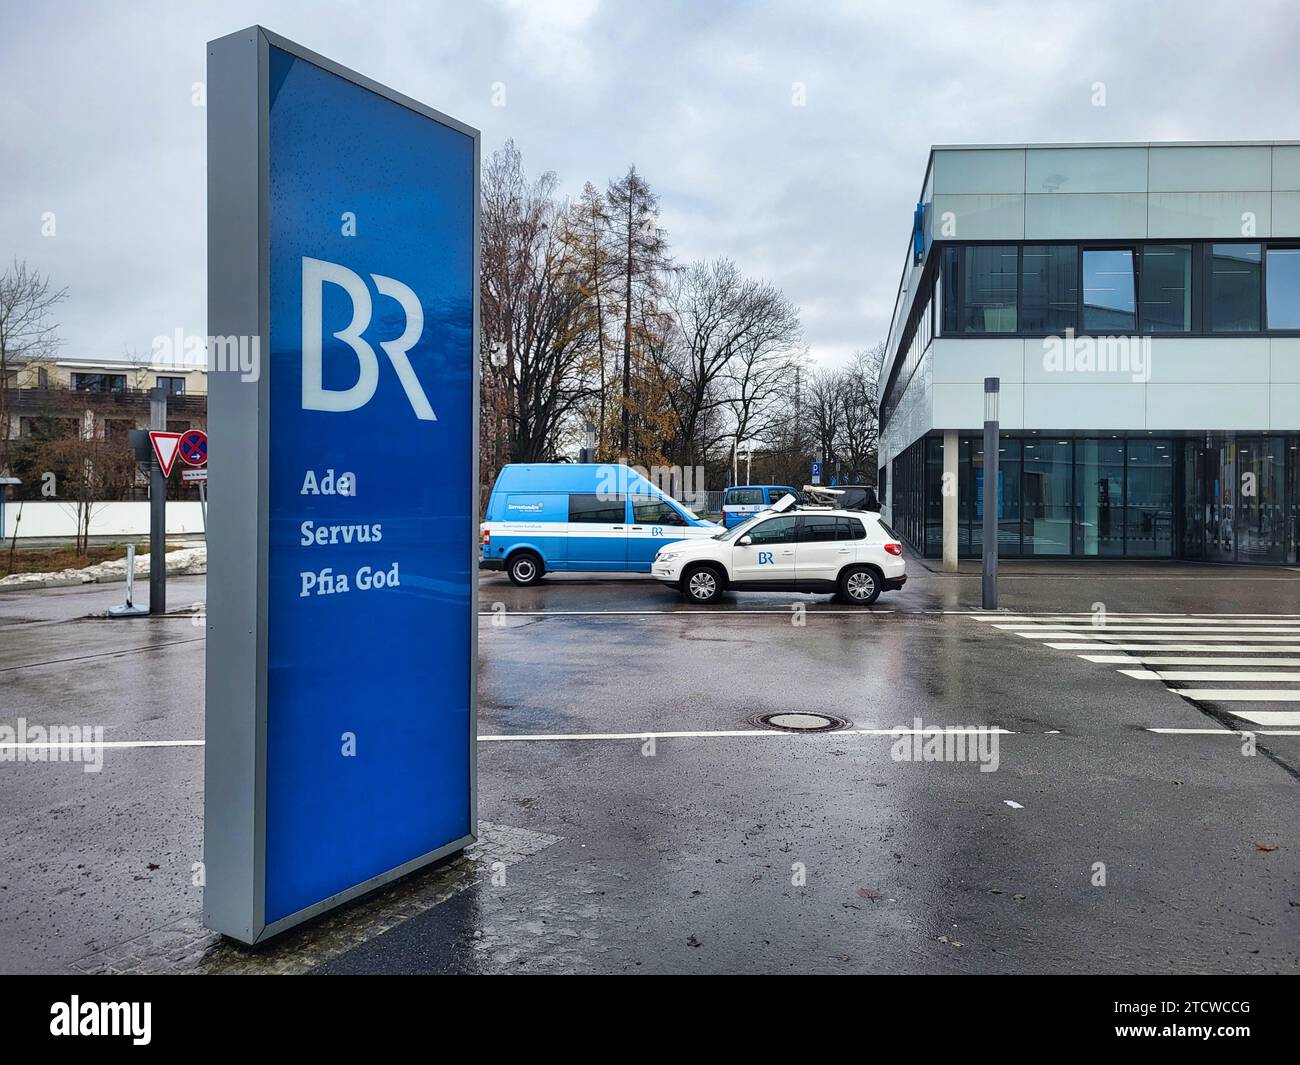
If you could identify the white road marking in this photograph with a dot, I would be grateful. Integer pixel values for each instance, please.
(91, 745)
(1217, 648)
(565, 737)
(1223, 732)
(1181, 660)
(1233, 675)
(1099, 634)
(1271, 717)
(1241, 695)
(785, 611)
(723, 733)
(1129, 630)
(1084, 615)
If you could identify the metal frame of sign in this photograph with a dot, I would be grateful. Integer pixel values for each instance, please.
(238, 147)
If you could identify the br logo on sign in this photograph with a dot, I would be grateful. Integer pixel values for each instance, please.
(315, 273)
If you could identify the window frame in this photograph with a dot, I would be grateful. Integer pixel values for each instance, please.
(1207, 292)
(794, 530)
(1282, 245)
(590, 521)
(1200, 284)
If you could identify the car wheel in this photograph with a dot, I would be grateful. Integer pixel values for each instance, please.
(860, 585)
(524, 569)
(702, 584)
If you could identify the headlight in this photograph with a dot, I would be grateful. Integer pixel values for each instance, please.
(666, 556)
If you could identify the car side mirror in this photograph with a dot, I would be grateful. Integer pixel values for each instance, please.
(744, 541)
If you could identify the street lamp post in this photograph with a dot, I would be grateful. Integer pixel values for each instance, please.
(991, 454)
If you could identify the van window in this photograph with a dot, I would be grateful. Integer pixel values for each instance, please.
(774, 531)
(856, 529)
(743, 497)
(775, 495)
(597, 509)
(656, 512)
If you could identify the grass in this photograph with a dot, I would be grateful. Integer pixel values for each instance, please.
(53, 559)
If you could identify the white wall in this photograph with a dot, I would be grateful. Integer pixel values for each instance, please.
(1241, 383)
(107, 519)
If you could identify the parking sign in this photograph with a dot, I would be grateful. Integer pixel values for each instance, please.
(342, 605)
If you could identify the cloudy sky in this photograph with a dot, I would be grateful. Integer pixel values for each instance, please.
(97, 123)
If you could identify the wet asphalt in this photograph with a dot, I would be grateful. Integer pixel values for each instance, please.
(749, 853)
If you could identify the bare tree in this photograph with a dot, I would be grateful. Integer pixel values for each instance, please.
(759, 386)
(28, 332)
(590, 241)
(721, 319)
(823, 411)
(88, 470)
(642, 258)
(537, 320)
(860, 410)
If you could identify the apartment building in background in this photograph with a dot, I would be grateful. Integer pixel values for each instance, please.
(105, 398)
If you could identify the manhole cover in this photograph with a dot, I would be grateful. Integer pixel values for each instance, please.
(800, 721)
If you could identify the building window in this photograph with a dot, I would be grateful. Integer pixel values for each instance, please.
(1109, 303)
(1149, 510)
(1008, 496)
(1283, 288)
(1046, 493)
(174, 386)
(99, 382)
(1166, 288)
(1049, 281)
(981, 280)
(1234, 288)
(1099, 498)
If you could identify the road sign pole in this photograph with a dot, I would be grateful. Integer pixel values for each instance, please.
(157, 511)
(203, 506)
(992, 449)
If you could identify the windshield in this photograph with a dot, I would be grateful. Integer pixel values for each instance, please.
(742, 528)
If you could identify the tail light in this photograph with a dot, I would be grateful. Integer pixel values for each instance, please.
(487, 538)
(894, 549)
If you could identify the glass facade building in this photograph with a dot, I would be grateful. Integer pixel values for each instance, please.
(1140, 306)
(1112, 497)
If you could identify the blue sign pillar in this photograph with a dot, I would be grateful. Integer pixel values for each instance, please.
(342, 603)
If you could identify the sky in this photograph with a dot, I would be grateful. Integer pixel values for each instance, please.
(791, 137)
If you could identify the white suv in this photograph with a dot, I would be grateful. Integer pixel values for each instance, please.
(850, 552)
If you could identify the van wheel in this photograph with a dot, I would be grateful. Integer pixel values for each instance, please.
(524, 568)
(703, 584)
(860, 585)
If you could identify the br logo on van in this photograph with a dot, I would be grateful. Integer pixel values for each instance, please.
(315, 274)
(765, 558)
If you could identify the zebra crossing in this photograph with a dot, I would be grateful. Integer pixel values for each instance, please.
(1247, 665)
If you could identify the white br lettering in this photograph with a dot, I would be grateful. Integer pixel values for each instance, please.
(315, 396)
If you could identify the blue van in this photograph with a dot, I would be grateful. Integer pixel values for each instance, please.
(569, 517)
(742, 501)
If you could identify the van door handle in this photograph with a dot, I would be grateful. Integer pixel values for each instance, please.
(639, 528)
(618, 528)
(847, 551)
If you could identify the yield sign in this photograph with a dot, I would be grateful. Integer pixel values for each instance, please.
(165, 447)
